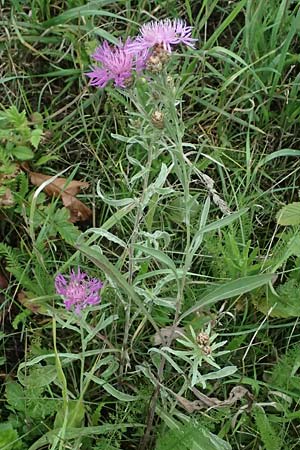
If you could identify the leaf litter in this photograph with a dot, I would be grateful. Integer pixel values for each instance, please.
(60, 187)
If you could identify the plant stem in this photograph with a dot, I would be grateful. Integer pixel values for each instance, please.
(138, 218)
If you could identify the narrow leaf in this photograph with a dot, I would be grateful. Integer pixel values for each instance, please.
(158, 255)
(228, 290)
(223, 222)
(122, 396)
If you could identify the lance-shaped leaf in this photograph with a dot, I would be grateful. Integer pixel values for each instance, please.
(229, 290)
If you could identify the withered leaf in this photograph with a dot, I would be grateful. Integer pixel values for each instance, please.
(7, 198)
(30, 303)
(59, 185)
(67, 191)
(205, 402)
(166, 333)
(79, 211)
(189, 406)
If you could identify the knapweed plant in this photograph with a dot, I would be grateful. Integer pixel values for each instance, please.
(154, 274)
(132, 302)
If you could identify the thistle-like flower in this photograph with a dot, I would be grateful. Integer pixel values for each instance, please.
(165, 33)
(79, 292)
(117, 63)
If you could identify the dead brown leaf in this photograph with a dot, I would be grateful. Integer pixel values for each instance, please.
(189, 406)
(167, 333)
(30, 303)
(205, 402)
(79, 211)
(67, 191)
(7, 198)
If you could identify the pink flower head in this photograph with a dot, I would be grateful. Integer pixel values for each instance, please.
(117, 63)
(164, 32)
(80, 291)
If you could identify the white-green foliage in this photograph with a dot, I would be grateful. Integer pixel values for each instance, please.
(191, 436)
(145, 244)
(195, 357)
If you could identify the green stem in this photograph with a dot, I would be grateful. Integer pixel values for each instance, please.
(138, 218)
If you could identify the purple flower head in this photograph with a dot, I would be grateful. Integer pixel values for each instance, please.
(164, 32)
(80, 291)
(117, 63)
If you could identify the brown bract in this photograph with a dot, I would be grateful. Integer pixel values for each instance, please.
(60, 187)
(7, 198)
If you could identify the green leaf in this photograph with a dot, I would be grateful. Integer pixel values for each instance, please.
(67, 230)
(21, 318)
(231, 289)
(217, 224)
(279, 153)
(39, 376)
(8, 437)
(283, 303)
(158, 255)
(191, 436)
(176, 208)
(79, 432)
(89, 10)
(289, 214)
(122, 396)
(217, 374)
(106, 234)
(291, 248)
(75, 415)
(45, 159)
(224, 24)
(18, 119)
(223, 222)
(15, 397)
(22, 153)
(112, 202)
(36, 137)
(269, 435)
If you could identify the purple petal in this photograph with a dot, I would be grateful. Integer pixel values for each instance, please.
(80, 291)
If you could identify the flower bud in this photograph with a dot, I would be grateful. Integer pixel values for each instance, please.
(157, 119)
(202, 338)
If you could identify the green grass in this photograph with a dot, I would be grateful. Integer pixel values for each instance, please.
(160, 234)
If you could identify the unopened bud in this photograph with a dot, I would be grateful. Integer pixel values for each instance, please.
(158, 59)
(206, 350)
(157, 119)
(202, 338)
(154, 64)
